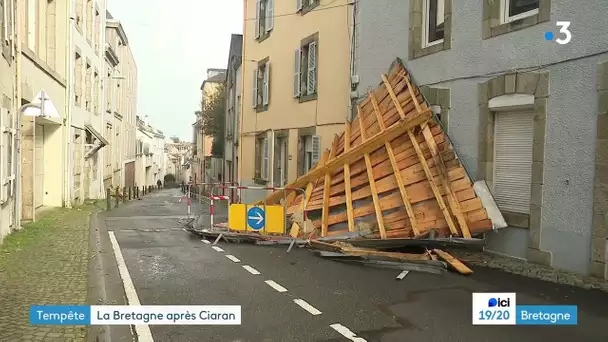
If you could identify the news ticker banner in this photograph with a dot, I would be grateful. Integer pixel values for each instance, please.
(136, 315)
(502, 309)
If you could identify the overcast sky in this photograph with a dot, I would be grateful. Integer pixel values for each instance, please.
(174, 42)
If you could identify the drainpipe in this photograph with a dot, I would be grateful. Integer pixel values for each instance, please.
(67, 121)
(239, 170)
(17, 149)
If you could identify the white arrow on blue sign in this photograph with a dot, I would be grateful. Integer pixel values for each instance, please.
(255, 218)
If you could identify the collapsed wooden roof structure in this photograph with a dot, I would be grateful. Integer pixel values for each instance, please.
(392, 165)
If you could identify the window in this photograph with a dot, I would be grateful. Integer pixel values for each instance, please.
(261, 86)
(88, 88)
(305, 6)
(78, 80)
(89, 12)
(264, 18)
(518, 9)
(433, 22)
(96, 96)
(305, 72)
(6, 29)
(79, 12)
(309, 152)
(262, 156)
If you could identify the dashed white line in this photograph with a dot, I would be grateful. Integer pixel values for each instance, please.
(143, 331)
(206, 242)
(251, 269)
(217, 248)
(311, 309)
(344, 331)
(232, 257)
(275, 286)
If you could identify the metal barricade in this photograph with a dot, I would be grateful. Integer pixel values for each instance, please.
(285, 207)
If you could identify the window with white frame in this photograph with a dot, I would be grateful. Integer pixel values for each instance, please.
(512, 10)
(264, 18)
(305, 71)
(230, 117)
(309, 152)
(305, 6)
(262, 159)
(7, 8)
(261, 86)
(433, 22)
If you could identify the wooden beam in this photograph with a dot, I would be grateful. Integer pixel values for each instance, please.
(425, 166)
(411, 90)
(370, 145)
(372, 182)
(455, 263)
(396, 171)
(347, 186)
(454, 205)
(326, 185)
(391, 92)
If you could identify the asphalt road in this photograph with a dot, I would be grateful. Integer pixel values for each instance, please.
(170, 266)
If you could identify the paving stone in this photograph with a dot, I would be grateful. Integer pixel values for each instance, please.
(45, 263)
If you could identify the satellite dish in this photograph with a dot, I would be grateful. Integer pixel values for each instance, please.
(45, 107)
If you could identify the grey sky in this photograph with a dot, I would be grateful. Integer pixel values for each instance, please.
(174, 42)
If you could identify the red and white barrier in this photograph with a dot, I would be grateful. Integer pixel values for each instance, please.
(212, 206)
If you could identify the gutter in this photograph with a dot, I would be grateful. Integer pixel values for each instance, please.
(67, 121)
(17, 159)
(240, 165)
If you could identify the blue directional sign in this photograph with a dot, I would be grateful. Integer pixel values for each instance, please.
(256, 218)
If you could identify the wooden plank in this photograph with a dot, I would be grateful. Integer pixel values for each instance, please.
(410, 88)
(395, 255)
(347, 185)
(445, 181)
(427, 171)
(372, 182)
(455, 263)
(396, 171)
(325, 214)
(295, 230)
(354, 154)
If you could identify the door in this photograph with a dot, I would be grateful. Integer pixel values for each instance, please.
(130, 174)
(39, 166)
(513, 139)
(284, 161)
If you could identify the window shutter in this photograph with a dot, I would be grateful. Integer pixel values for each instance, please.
(255, 88)
(316, 149)
(257, 19)
(266, 91)
(298, 5)
(5, 128)
(265, 159)
(3, 23)
(312, 68)
(11, 25)
(269, 15)
(296, 72)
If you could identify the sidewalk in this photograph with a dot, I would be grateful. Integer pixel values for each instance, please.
(47, 262)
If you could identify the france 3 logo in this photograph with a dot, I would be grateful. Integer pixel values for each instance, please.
(494, 308)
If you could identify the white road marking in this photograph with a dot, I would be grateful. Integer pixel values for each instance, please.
(233, 258)
(344, 331)
(206, 242)
(402, 275)
(143, 331)
(311, 309)
(217, 248)
(275, 286)
(184, 229)
(251, 269)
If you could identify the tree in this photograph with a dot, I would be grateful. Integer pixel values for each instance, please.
(175, 139)
(213, 117)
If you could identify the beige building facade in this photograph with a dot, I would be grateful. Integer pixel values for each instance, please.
(9, 215)
(120, 123)
(296, 87)
(42, 52)
(87, 63)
